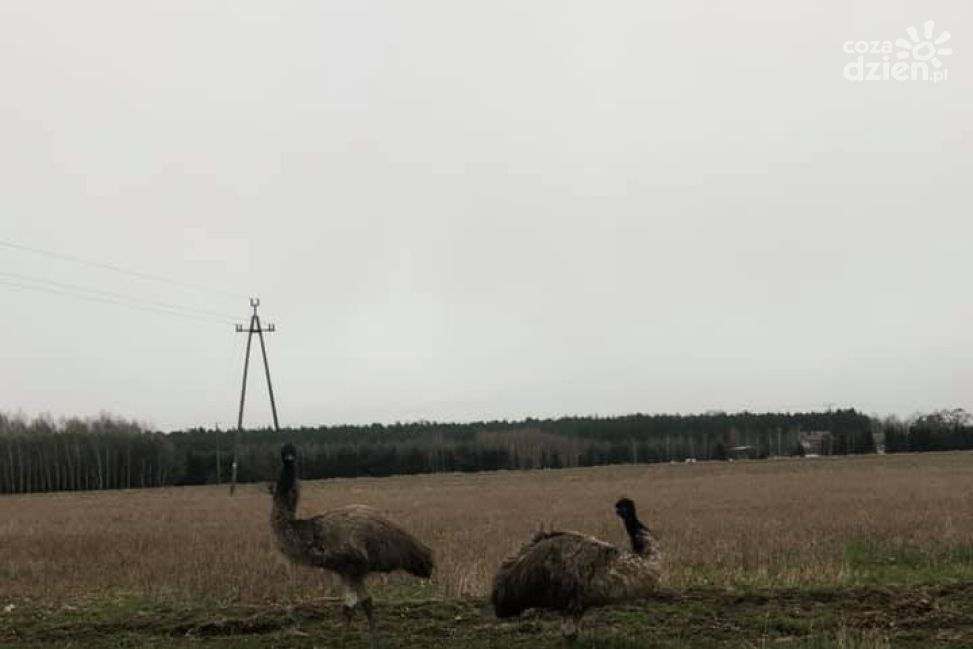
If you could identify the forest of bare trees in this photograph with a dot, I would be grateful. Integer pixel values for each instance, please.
(110, 453)
(75, 454)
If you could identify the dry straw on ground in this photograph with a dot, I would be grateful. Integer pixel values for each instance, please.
(771, 523)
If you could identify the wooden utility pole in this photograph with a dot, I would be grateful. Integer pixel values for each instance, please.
(219, 456)
(254, 328)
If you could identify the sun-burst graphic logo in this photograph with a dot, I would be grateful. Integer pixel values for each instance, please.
(925, 48)
(917, 58)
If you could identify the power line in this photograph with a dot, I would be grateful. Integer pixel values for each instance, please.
(64, 286)
(119, 269)
(104, 300)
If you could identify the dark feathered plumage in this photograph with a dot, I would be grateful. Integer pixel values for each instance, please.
(350, 541)
(571, 572)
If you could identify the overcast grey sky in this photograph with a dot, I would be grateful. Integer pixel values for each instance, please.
(458, 210)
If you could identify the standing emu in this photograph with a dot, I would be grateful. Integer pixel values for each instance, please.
(350, 541)
(571, 572)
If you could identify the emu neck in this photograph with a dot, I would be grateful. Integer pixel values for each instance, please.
(636, 534)
(285, 495)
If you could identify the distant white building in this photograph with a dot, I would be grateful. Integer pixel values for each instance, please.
(817, 442)
(743, 452)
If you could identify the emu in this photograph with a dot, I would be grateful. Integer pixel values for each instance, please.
(350, 541)
(570, 572)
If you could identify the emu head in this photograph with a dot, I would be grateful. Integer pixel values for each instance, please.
(625, 508)
(288, 453)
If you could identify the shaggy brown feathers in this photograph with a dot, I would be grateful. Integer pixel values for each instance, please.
(571, 572)
(353, 541)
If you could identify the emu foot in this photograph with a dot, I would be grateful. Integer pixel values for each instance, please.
(570, 627)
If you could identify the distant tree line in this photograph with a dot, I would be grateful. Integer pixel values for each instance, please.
(110, 453)
(76, 454)
(945, 430)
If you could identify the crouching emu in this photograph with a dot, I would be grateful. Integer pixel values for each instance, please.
(350, 541)
(569, 572)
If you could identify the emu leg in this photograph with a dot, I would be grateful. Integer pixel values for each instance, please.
(349, 599)
(366, 605)
(365, 601)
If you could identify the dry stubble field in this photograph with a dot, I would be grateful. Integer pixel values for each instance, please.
(890, 521)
